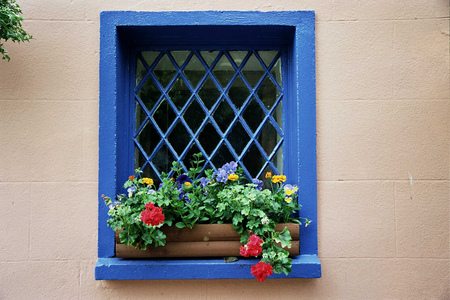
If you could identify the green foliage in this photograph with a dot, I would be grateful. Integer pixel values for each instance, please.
(189, 200)
(11, 25)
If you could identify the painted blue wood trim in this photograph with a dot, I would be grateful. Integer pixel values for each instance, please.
(107, 135)
(303, 266)
(305, 89)
(120, 32)
(194, 18)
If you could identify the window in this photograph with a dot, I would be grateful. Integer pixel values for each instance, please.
(226, 104)
(232, 85)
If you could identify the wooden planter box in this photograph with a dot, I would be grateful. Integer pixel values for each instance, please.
(204, 240)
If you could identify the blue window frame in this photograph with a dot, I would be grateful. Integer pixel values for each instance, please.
(122, 35)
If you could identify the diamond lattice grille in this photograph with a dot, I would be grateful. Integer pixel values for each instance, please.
(225, 104)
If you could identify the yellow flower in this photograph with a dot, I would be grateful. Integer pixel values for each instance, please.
(268, 175)
(187, 183)
(289, 189)
(278, 178)
(289, 192)
(288, 199)
(148, 181)
(233, 177)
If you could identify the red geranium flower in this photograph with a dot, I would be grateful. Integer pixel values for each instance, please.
(253, 246)
(152, 215)
(261, 270)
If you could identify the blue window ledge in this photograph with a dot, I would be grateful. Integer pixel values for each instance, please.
(121, 33)
(303, 266)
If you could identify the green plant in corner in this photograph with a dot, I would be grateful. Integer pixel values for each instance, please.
(11, 25)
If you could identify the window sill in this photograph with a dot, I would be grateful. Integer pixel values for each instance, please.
(303, 266)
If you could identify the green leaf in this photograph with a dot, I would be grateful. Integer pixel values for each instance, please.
(231, 259)
(180, 225)
(127, 238)
(245, 211)
(284, 238)
(237, 218)
(222, 206)
(147, 238)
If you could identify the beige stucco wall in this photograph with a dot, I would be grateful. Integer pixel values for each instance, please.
(383, 117)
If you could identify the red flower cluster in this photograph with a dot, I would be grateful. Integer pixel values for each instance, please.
(253, 246)
(152, 215)
(261, 270)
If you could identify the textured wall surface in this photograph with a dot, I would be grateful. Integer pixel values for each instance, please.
(383, 118)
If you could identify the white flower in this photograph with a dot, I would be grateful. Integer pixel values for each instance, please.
(130, 191)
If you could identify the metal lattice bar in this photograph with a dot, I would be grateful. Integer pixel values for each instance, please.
(210, 114)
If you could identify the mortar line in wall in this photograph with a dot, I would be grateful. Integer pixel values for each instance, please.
(395, 219)
(84, 20)
(50, 261)
(384, 180)
(333, 132)
(386, 258)
(50, 100)
(29, 223)
(30, 214)
(332, 11)
(43, 181)
(320, 256)
(392, 62)
(83, 167)
(79, 280)
(61, 20)
(381, 20)
(385, 100)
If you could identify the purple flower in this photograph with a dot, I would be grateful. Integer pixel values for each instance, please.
(183, 196)
(186, 198)
(258, 183)
(204, 181)
(230, 167)
(151, 192)
(182, 179)
(221, 175)
(113, 205)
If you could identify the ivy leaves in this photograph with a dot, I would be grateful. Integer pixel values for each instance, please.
(11, 25)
